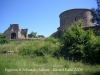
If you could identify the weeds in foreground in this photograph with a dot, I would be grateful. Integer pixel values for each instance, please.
(43, 65)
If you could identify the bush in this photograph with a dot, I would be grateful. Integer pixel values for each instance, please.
(80, 44)
(39, 48)
(26, 49)
(92, 50)
(52, 39)
(3, 40)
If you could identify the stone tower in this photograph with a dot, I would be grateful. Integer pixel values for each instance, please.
(67, 18)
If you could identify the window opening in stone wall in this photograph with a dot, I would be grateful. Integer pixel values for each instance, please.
(24, 34)
(75, 18)
(13, 35)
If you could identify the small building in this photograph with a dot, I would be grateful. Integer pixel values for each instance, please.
(14, 32)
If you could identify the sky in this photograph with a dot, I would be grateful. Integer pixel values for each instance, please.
(41, 16)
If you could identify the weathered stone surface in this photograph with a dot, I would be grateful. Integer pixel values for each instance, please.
(13, 32)
(96, 29)
(24, 32)
(69, 17)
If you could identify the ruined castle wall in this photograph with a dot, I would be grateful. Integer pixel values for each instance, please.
(6, 34)
(14, 28)
(96, 29)
(24, 32)
(13, 32)
(69, 17)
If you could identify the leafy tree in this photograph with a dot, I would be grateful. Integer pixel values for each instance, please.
(33, 34)
(80, 44)
(96, 13)
(3, 40)
(74, 40)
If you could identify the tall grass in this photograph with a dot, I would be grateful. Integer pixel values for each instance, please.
(45, 65)
(37, 58)
(39, 48)
(12, 46)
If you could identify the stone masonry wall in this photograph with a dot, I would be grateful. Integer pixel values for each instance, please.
(69, 17)
(24, 32)
(13, 32)
(14, 28)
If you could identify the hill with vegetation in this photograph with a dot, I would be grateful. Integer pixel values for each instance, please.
(77, 52)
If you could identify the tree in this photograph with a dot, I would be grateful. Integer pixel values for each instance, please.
(80, 44)
(32, 34)
(96, 13)
(3, 40)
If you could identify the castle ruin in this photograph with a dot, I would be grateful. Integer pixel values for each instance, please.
(13, 32)
(69, 17)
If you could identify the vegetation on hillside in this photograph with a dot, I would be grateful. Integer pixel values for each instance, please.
(81, 44)
(32, 35)
(40, 48)
(17, 65)
(69, 52)
(3, 40)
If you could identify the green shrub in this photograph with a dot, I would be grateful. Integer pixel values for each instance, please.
(3, 40)
(26, 49)
(52, 39)
(39, 48)
(50, 48)
(92, 50)
(80, 44)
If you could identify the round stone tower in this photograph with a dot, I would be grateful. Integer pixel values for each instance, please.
(67, 18)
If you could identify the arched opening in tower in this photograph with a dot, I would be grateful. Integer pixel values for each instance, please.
(75, 18)
(13, 35)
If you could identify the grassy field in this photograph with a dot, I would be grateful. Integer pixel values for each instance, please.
(14, 64)
(18, 64)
